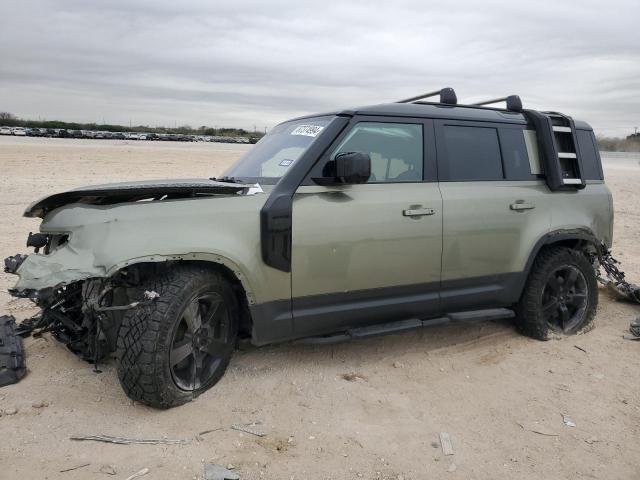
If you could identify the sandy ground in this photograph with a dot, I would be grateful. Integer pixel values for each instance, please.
(369, 409)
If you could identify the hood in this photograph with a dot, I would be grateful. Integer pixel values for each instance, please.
(112, 193)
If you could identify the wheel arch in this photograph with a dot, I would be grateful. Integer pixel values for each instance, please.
(581, 239)
(226, 267)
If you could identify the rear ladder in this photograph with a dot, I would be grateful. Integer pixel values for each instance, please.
(556, 135)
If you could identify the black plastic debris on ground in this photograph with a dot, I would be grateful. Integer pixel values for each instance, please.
(12, 366)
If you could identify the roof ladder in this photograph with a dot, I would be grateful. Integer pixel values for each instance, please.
(561, 158)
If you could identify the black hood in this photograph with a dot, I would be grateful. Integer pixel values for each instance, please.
(112, 193)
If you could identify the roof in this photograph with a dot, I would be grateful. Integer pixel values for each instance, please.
(439, 110)
(449, 112)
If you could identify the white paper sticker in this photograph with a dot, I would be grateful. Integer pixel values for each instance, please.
(308, 130)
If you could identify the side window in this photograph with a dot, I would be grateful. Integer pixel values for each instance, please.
(589, 156)
(472, 153)
(517, 165)
(395, 150)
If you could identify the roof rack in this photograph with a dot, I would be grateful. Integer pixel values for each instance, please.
(514, 104)
(447, 96)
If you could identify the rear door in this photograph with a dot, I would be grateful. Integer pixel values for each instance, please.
(496, 207)
(370, 252)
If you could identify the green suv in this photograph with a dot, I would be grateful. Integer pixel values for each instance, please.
(335, 226)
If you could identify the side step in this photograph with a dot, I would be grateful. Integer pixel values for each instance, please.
(409, 324)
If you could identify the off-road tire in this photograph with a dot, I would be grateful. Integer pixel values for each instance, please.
(529, 318)
(146, 335)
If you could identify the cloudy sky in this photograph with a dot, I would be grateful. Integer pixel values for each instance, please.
(246, 63)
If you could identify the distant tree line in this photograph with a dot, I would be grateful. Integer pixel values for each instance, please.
(629, 144)
(9, 120)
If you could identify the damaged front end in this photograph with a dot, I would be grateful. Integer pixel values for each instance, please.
(97, 245)
(83, 314)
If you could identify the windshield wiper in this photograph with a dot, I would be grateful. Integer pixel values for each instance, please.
(225, 180)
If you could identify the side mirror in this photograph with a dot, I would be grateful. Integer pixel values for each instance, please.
(353, 167)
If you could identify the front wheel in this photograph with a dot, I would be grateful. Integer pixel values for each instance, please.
(171, 351)
(560, 296)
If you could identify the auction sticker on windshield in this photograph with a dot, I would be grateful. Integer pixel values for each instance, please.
(308, 130)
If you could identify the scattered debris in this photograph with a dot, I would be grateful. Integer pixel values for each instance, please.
(580, 348)
(398, 365)
(452, 468)
(352, 377)
(445, 443)
(199, 436)
(108, 469)
(615, 281)
(139, 473)
(10, 411)
(634, 328)
(535, 427)
(592, 440)
(12, 366)
(128, 441)
(75, 468)
(249, 428)
(40, 404)
(213, 471)
(568, 421)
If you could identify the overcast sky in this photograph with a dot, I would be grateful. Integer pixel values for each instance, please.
(246, 63)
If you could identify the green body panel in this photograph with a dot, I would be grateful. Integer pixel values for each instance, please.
(482, 235)
(103, 239)
(355, 237)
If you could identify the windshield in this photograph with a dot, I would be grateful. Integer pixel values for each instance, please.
(274, 154)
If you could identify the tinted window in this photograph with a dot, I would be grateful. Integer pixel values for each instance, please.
(395, 150)
(514, 155)
(472, 153)
(591, 166)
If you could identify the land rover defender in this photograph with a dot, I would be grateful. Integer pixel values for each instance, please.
(334, 226)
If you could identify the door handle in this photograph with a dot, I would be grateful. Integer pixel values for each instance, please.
(519, 206)
(418, 212)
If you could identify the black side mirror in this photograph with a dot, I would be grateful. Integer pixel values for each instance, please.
(353, 167)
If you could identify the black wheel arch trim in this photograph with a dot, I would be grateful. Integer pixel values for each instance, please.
(579, 235)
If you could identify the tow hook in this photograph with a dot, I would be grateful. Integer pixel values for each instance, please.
(12, 264)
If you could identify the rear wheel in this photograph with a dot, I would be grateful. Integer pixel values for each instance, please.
(179, 346)
(560, 296)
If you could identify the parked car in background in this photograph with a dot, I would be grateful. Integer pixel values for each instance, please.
(19, 131)
(5, 130)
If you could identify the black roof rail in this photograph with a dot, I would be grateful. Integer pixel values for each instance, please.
(514, 104)
(447, 96)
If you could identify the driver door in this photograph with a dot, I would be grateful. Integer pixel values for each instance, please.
(371, 252)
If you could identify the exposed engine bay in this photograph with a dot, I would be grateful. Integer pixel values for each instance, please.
(84, 315)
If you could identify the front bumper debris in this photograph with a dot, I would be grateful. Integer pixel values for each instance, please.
(12, 366)
(12, 264)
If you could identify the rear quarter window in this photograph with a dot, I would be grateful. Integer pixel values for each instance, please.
(517, 165)
(589, 156)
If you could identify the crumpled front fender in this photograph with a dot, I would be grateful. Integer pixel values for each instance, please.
(62, 267)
